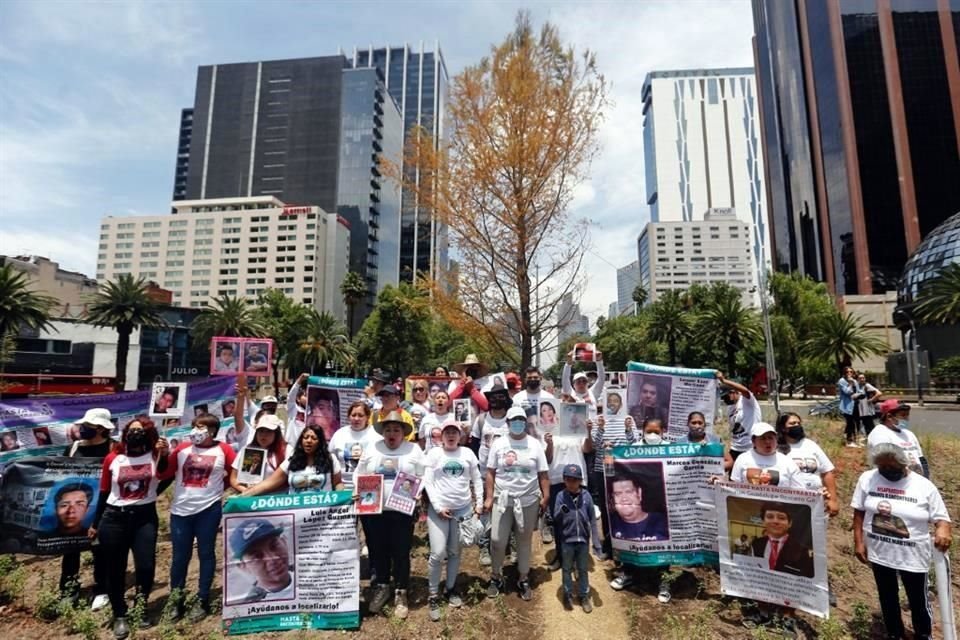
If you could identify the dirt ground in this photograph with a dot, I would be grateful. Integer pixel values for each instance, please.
(697, 610)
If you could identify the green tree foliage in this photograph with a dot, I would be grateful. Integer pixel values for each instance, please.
(227, 316)
(354, 290)
(124, 304)
(669, 321)
(840, 338)
(395, 335)
(731, 326)
(797, 302)
(939, 300)
(286, 321)
(639, 295)
(20, 306)
(628, 338)
(324, 340)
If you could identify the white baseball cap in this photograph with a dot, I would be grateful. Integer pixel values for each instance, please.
(580, 376)
(270, 421)
(761, 428)
(516, 412)
(268, 400)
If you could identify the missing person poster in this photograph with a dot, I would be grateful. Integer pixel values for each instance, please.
(403, 498)
(329, 400)
(370, 494)
(773, 545)
(670, 394)
(252, 465)
(661, 505)
(290, 562)
(48, 504)
(167, 399)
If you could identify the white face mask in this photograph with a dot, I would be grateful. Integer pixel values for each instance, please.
(198, 436)
(652, 438)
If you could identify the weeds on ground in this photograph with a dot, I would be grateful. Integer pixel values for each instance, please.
(136, 614)
(861, 623)
(832, 629)
(13, 578)
(48, 606)
(696, 627)
(80, 620)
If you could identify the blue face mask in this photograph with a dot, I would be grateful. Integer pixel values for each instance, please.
(518, 426)
(902, 424)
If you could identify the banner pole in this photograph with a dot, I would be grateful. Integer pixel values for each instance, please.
(941, 566)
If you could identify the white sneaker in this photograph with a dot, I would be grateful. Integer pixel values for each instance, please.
(99, 602)
(364, 552)
(622, 581)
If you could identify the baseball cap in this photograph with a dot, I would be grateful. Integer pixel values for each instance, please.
(270, 421)
(251, 532)
(891, 405)
(573, 471)
(389, 389)
(516, 412)
(580, 376)
(450, 424)
(268, 400)
(380, 376)
(761, 428)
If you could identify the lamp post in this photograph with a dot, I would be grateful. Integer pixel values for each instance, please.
(170, 337)
(915, 339)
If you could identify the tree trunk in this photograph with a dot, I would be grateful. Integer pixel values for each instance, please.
(731, 360)
(350, 308)
(123, 348)
(672, 345)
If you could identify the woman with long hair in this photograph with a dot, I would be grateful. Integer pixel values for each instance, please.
(311, 467)
(126, 518)
(350, 442)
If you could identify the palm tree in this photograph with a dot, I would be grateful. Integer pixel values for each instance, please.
(226, 316)
(669, 321)
(840, 337)
(726, 323)
(20, 306)
(124, 304)
(639, 296)
(326, 341)
(354, 290)
(939, 299)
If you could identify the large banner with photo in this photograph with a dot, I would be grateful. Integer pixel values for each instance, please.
(47, 504)
(329, 400)
(661, 504)
(45, 426)
(773, 545)
(290, 562)
(670, 394)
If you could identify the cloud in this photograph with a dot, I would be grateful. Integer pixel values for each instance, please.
(74, 252)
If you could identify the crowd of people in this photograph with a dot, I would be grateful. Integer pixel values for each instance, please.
(493, 481)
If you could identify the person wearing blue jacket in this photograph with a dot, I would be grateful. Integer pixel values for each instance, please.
(575, 523)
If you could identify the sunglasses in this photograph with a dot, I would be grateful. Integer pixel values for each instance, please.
(419, 388)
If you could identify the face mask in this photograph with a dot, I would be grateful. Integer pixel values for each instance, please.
(498, 403)
(87, 433)
(533, 385)
(136, 441)
(518, 426)
(652, 438)
(795, 433)
(893, 475)
(696, 434)
(198, 436)
(902, 424)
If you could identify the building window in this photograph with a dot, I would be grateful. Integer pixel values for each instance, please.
(177, 243)
(179, 223)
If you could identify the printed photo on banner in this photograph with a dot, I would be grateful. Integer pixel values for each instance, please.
(584, 352)
(614, 405)
(257, 356)
(573, 420)
(225, 356)
(252, 465)
(463, 411)
(260, 559)
(494, 381)
(773, 545)
(9, 441)
(548, 416)
(636, 501)
(167, 399)
(648, 397)
(403, 498)
(323, 410)
(200, 410)
(370, 494)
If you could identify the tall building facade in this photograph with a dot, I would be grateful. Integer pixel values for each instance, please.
(418, 81)
(860, 103)
(183, 155)
(570, 321)
(232, 246)
(702, 152)
(628, 278)
(308, 131)
(675, 255)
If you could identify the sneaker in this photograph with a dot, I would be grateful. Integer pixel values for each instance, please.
(433, 602)
(523, 586)
(546, 535)
(120, 628)
(586, 604)
(567, 602)
(453, 599)
(99, 602)
(198, 612)
(177, 612)
(364, 552)
(381, 595)
(621, 582)
(485, 560)
(596, 512)
(400, 609)
(664, 596)
(603, 556)
(144, 622)
(495, 587)
(853, 445)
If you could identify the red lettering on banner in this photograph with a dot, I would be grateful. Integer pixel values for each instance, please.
(293, 211)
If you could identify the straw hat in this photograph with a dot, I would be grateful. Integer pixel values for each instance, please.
(472, 361)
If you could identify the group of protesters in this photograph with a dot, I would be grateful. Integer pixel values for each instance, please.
(492, 482)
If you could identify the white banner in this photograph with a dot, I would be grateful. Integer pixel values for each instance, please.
(670, 394)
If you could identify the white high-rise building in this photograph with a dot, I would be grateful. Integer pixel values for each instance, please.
(570, 321)
(233, 246)
(628, 278)
(702, 149)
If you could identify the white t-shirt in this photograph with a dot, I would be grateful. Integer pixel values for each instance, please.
(812, 462)
(309, 479)
(905, 439)
(491, 429)
(430, 429)
(741, 417)
(517, 463)
(202, 476)
(525, 399)
(449, 476)
(272, 463)
(567, 451)
(348, 446)
(408, 457)
(130, 480)
(899, 539)
(776, 469)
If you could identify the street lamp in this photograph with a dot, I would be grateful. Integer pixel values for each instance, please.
(171, 335)
(915, 339)
(773, 383)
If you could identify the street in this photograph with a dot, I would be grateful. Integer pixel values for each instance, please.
(940, 418)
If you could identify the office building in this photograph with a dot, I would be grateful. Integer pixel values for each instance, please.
(232, 246)
(70, 288)
(310, 132)
(183, 155)
(570, 321)
(860, 104)
(676, 255)
(628, 278)
(702, 152)
(417, 79)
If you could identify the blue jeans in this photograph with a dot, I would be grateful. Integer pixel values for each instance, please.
(575, 553)
(201, 527)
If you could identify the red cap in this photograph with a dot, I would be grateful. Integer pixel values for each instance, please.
(513, 381)
(891, 405)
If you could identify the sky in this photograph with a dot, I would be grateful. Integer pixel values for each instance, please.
(91, 93)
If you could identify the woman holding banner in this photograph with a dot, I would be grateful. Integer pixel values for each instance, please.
(266, 436)
(126, 518)
(311, 467)
(893, 507)
(816, 469)
(349, 443)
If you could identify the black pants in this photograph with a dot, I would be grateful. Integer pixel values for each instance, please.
(598, 491)
(389, 540)
(122, 531)
(70, 573)
(867, 422)
(915, 584)
(850, 428)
